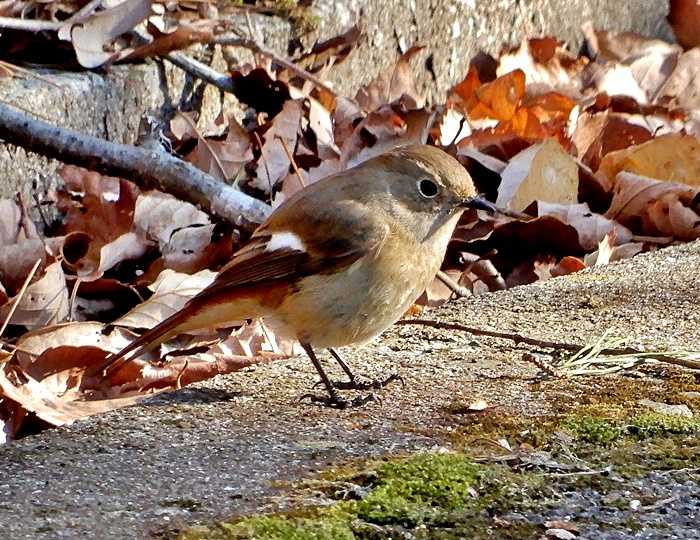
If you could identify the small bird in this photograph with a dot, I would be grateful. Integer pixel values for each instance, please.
(337, 263)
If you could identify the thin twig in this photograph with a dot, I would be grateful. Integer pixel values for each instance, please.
(19, 296)
(29, 25)
(202, 71)
(201, 138)
(292, 161)
(572, 347)
(451, 284)
(282, 61)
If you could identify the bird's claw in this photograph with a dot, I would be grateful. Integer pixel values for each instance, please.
(368, 384)
(337, 402)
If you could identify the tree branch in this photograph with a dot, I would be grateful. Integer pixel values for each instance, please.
(148, 169)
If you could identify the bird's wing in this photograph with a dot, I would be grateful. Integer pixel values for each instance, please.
(288, 248)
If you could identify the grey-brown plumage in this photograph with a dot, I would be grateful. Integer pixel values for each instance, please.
(341, 260)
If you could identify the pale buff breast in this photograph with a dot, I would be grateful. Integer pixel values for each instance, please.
(357, 304)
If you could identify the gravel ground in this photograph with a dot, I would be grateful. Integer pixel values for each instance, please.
(229, 445)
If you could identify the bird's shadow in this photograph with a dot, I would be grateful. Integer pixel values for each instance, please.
(193, 395)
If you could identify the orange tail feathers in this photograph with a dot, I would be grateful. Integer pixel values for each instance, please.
(147, 342)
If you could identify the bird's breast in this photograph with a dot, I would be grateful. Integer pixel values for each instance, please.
(359, 302)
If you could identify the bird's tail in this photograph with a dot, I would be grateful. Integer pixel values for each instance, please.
(164, 330)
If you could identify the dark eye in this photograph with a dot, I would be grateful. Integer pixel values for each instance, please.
(427, 188)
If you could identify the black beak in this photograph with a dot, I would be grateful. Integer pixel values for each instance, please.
(479, 203)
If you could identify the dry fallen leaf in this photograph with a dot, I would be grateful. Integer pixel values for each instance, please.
(170, 293)
(274, 163)
(652, 207)
(591, 228)
(684, 16)
(44, 302)
(543, 172)
(89, 36)
(391, 84)
(673, 157)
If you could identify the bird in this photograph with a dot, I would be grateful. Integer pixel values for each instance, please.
(338, 262)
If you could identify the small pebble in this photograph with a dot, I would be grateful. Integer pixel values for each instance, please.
(561, 534)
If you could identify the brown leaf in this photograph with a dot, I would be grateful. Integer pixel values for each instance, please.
(185, 35)
(542, 172)
(652, 207)
(89, 36)
(547, 66)
(101, 207)
(608, 252)
(170, 292)
(683, 16)
(617, 47)
(44, 302)
(391, 85)
(16, 260)
(683, 86)
(231, 154)
(673, 157)
(597, 135)
(591, 228)
(274, 163)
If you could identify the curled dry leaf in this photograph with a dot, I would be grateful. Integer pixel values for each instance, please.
(591, 228)
(673, 157)
(652, 207)
(546, 64)
(44, 302)
(683, 86)
(618, 47)
(683, 16)
(90, 35)
(157, 215)
(274, 163)
(391, 85)
(102, 208)
(16, 260)
(542, 172)
(170, 293)
(608, 251)
(52, 374)
(596, 135)
(231, 154)
(181, 37)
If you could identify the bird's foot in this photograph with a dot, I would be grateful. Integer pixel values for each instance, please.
(335, 401)
(364, 383)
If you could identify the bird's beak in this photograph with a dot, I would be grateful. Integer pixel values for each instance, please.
(479, 203)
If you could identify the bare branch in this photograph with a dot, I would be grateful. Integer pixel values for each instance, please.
(149, 169)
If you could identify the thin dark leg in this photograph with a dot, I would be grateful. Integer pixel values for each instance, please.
(335, 354)
(333, 399)
(356, 384)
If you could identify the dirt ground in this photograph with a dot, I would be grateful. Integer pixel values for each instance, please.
(231, 445)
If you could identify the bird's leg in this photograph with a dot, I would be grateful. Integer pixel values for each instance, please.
(354, 382)
(333, 399)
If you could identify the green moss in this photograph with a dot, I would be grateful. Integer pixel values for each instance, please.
(320, 524)
(423, 488)
(592, 430)
(323, 527)
(653, 424)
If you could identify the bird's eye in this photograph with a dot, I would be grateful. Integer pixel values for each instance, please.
(427, 188)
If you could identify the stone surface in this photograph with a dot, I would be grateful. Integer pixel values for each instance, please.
(228, 445)
(110, 105)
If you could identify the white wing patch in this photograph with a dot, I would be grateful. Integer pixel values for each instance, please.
(285, 240)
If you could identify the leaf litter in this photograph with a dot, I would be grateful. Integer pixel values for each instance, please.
(600, 150)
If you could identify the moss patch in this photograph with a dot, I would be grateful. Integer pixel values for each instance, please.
(443, 493)
(465, 493)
